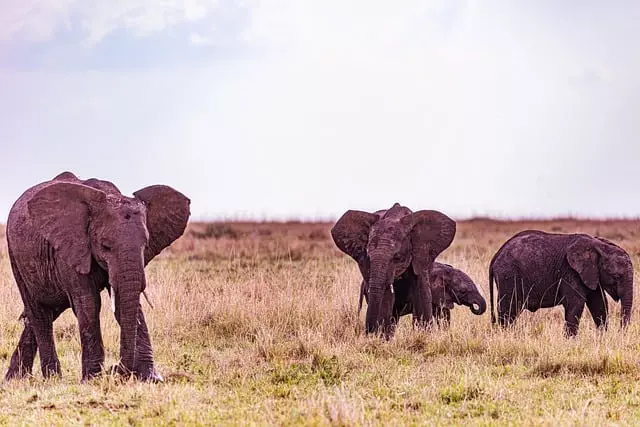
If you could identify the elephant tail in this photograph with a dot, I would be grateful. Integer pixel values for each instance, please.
(493, 314)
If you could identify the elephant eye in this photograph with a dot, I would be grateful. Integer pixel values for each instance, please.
(106, 247)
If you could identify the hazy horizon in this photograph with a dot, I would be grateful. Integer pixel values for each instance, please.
(271, 109)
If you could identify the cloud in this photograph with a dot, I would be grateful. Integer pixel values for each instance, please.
(33, 20)
(41, 21)
(303, 108)
(199, 40)
(348, 23)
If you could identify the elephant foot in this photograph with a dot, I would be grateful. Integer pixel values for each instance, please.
(153, 377)
(148, 374)
(120, 370)
(52, 370)
(88, 375)
(143, 374)
(15, 373)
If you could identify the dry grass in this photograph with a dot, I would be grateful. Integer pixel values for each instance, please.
(256, 324)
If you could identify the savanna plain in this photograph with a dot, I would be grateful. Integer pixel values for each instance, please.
(257, 323)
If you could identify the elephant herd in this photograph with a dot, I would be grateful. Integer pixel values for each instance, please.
(68, 239)
(396, 251)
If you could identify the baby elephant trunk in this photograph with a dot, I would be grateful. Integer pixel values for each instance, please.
(476, 303)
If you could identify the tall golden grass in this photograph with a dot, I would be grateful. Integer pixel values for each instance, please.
(256, 323)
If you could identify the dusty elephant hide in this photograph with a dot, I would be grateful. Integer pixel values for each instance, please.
(536, 269)
(68, 240)
(395, 250)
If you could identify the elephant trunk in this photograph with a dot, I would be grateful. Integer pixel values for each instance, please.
(374, 307)
(378, 284)
(478, 305)
(466, 293)
(128, 284)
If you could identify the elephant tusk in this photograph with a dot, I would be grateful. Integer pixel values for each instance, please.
(391, 287)
(147, 298)
(113, 302)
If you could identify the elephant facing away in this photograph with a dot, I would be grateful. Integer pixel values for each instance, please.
(536, 269)
(69, 239)
(449, 286)
(395, 250)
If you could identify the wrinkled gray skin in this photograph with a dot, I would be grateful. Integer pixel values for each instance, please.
(535, 269)
(395, 250)
(69, 239)
(449, 286)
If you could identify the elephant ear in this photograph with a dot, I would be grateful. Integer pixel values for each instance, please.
(351, 233)
(583, 258)
(61, 213)
(431, 233)
(168, 212)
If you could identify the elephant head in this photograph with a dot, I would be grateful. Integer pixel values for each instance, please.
(388, 244)
(600, 262)
(451, 286)
(90, 229)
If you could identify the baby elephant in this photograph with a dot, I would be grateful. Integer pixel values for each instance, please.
(535, 269)
(449, 286)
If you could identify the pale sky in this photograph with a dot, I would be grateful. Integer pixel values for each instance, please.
(307, 108)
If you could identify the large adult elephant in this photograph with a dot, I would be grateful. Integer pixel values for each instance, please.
(395, 250)
(69, 239)
(536, 269)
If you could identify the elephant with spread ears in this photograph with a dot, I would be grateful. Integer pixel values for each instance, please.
(395, 250)
(68, 239)
(536, 269)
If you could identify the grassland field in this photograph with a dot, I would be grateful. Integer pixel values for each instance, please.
(257, 324)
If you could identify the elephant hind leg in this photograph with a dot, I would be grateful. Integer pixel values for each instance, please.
(41, 321)
(22, 359)
(509, 308)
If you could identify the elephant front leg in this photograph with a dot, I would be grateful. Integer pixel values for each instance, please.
(442, 316)
(87, 310)
(597, 305)
(144, 365)
(572, 315)
(422, 302)
(144, 368)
